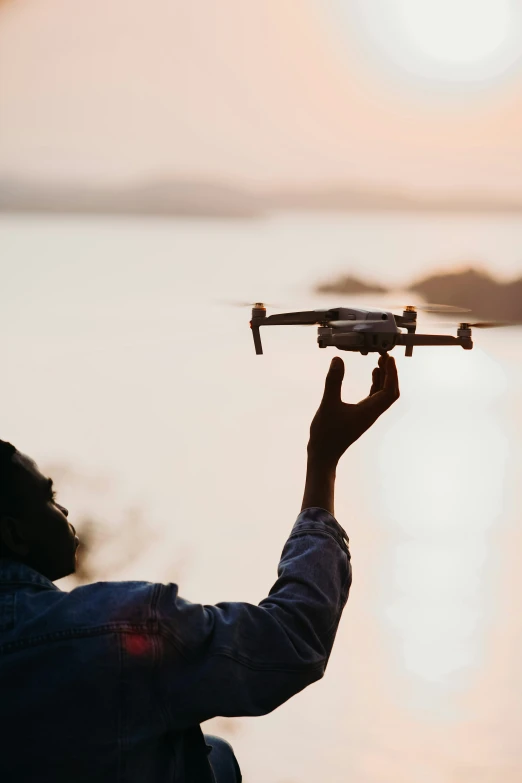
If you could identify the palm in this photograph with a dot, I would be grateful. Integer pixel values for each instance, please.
(338, 424)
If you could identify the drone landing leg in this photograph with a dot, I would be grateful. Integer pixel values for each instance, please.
(257, 340)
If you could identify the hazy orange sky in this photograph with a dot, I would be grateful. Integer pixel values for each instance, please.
(262, 91)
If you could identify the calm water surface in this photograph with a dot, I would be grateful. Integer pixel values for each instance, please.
(119, 361)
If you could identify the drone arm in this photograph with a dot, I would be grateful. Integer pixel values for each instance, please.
(433, 339)
(303, 317)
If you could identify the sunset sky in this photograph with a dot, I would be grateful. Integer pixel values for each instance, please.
(263, 92)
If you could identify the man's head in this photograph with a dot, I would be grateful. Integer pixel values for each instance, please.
(33, 526)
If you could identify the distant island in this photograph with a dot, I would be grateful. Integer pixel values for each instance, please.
(477, 290)
(216, 199)
(349, 284)
(470, 288)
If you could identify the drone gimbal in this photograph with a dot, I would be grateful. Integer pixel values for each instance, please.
(363, 331)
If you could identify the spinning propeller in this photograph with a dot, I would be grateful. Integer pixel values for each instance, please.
(427, 307)
(483, 324)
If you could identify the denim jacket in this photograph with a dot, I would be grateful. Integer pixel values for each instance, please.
(110, 681)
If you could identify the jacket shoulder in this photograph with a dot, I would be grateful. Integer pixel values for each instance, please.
(106, 603)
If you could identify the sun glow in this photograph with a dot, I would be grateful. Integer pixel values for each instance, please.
(449, 40)
(456, 30)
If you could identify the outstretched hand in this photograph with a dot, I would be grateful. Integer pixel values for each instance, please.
(338, 424)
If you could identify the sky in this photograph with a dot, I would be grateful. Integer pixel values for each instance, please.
(262, 92)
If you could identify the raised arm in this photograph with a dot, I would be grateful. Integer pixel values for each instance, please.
(338, 424)
(236, 659)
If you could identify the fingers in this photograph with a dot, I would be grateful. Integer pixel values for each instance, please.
(391, 379)
(376, 381)
(388, 392)
(334, 381)
(378, 375)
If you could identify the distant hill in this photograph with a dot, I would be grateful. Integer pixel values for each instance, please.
(349, 198)
(348, 284)
(474, 289)
(222, 200)
(184, 198)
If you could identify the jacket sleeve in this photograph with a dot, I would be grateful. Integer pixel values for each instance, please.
(236, 659)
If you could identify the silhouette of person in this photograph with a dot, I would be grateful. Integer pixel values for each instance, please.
(111, 681)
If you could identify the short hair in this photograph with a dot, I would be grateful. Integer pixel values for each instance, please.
(7, 477)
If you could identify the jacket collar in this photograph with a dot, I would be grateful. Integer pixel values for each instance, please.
(14, 572)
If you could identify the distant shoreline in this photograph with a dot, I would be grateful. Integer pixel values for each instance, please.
(215, 200)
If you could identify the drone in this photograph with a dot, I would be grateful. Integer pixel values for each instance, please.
(366, 331)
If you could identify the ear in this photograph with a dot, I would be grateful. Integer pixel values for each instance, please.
(13, 535)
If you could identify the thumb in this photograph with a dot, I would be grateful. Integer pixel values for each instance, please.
(334, 381)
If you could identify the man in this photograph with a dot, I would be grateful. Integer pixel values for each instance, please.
(110, 681)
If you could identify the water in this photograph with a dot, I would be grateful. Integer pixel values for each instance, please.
(117, 360)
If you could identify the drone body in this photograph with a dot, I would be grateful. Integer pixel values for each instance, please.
(360, 330)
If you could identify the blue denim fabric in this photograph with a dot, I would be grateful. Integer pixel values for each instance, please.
(222, 760)
(110, 681)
